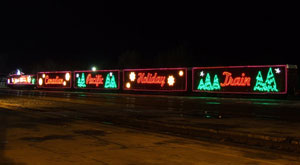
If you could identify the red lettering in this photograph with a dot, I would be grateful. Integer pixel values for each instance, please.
(226, 82)
(237, 81)
(141, 76)
(94, 80)
(247, 81)
(151, 79)
(56, 81)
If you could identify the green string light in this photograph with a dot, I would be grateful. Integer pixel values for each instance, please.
(207, 85)
(81, 81)
(33, 80)
(260, 85)
(110, 81)
(216, 84)
(271, 82)
(269, 85)
(201, 85)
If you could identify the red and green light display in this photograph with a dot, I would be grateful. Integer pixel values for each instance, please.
(21, 80)
(61, 79)
(270, 79)
(100, 79)
(161, 79)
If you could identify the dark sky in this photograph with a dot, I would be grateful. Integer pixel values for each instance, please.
(60, 35)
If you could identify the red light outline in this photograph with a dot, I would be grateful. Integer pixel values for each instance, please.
(67, 87)
(90, 71)
(248, 66)
(153, 90)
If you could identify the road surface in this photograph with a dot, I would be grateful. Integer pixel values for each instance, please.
(49, 127)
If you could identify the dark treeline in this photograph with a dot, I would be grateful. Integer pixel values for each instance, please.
(181, 54)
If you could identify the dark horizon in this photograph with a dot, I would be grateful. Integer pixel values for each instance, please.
(75, 36)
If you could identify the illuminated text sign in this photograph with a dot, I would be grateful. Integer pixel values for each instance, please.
(60, 79)
(241, 79)
(101, 79)
(163, 79)
(21, 80)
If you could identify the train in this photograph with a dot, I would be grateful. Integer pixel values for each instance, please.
(221, 80)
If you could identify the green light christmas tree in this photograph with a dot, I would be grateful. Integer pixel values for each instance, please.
(33, 81)
(207, 85)
(216, 84)
(260, 85)
(110, 81)
(201, 85)
(81, 81)
(269, 85)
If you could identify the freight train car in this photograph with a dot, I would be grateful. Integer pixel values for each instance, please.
(257, 80)
(201, 81)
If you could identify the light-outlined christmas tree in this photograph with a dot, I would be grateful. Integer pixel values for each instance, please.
(110, 81)
(260, 85)
(269, 85)
(216, 84)
(207, 84)
(201, 85)
(81, 81)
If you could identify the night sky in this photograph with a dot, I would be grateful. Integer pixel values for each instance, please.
(75, 35)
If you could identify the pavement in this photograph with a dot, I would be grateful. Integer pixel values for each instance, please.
(263, 123)
(40, 138)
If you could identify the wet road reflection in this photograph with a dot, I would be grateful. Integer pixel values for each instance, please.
(177, 105)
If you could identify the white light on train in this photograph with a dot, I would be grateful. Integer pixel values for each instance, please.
(181, 73)
(171, 80)
(40, 81)
(68, 76)
(128, 85)
(132, 76)
(28, 79)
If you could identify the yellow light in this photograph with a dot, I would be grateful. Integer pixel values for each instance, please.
(132, 76)
(68, 76)
(181, 73)
(65, 83)
(17, 80)
(171, 80)
(44, 75)
(40, 81)
(128, 85)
